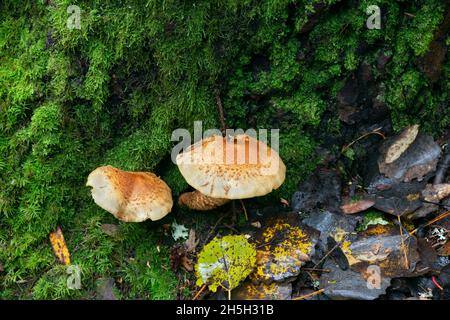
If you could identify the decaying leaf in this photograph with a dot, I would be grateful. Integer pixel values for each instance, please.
(225, 262)
(262, 291)
(401, 143)
(283, 248)
(180, 257)
(382, 246)
(357, 206)
(418, 159)
(59, 246)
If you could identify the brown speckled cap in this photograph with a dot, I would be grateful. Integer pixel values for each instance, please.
(130, 196)
(235, 167)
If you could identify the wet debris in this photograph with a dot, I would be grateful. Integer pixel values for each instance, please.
(320, 191)
(357, 206)
(261, 291)
(408, 155)
(430, 196)
(341, 284)
(331, 224)
(283, 246)
(383, 246)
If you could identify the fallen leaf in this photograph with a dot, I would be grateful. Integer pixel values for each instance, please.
(59, 246)
(1, 268)
(225, 262)
(357, 206)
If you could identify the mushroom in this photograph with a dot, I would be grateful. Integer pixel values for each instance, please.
(225, 168)
(130, 196)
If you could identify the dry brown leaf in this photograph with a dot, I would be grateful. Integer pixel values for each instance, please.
(59, 246)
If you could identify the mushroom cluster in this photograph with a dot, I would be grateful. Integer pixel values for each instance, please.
(219, 168)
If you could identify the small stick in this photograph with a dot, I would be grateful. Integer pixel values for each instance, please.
(440, 217)
(309, 295)
(245, 211)
(403, 243)
(376, 131)
(328, 253)
(199, 292)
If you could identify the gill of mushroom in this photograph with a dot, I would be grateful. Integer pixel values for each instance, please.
(221, 169)
(130, 196)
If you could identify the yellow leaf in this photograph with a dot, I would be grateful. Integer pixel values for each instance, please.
(59, 246)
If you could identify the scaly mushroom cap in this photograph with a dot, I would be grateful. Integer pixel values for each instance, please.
(236, 167)
(130, 196)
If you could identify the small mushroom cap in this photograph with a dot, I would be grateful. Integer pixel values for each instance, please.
(236, 167)
(130, 196)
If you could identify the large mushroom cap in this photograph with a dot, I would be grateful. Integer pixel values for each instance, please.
(236, 167)
(130, 196)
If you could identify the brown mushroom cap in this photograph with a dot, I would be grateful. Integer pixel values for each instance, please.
(130, 196)
(232, 168)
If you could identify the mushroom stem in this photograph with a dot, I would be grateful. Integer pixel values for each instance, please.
(196, 200)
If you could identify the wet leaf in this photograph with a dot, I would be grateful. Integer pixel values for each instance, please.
(357, 206)
(283, 248)
(59, 246)
(372, 218)
(262, 291)
(225, 262)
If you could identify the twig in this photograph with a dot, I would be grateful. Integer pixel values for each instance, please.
(403, 243)
(328, 253)
(309, 295)
(245, 211)
(376, 131)
(440, 217)
(199, 292)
